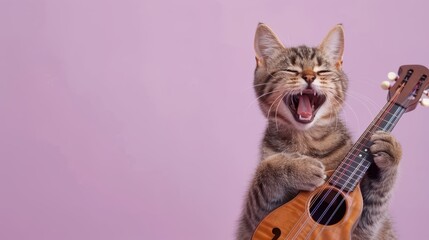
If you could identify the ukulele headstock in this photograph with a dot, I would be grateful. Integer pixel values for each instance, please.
(410, 84)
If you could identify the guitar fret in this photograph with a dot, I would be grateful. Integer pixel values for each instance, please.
(350, 171)
(347, 177)
(344, 180)
(346, 172)
(355, 162)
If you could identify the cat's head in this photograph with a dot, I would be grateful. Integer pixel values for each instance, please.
(300, 87)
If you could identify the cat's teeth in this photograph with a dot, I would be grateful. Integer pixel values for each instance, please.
(301, 93)
(315, 93)
(305, 119)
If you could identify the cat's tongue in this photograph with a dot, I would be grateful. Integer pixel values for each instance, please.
(305, 111)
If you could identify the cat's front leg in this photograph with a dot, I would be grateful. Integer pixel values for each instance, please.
(282, 174)
(387, 153)
(377, 187)
(278, 179)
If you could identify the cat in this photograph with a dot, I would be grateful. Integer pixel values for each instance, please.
(301, 91)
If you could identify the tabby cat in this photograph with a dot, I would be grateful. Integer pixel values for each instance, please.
(301, 91)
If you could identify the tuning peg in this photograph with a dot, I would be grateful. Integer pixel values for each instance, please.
(392, 76)
(424, 102)
(385, 85)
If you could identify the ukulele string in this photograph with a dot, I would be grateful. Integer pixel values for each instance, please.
(374, 125)
(327, 193)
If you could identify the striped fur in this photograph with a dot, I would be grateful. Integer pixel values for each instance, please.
(294, 155)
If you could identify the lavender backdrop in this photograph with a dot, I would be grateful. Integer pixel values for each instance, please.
(136, 119)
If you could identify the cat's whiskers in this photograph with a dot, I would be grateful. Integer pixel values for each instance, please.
(277, 108)
(260, 84)
(356, 116)
(272, 104)
(361, 98)
(335, 113)
(263, 95)
(332, 113)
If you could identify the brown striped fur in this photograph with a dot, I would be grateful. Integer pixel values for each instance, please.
(294, 155)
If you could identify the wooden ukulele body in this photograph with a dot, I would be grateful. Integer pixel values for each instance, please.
(294, 219)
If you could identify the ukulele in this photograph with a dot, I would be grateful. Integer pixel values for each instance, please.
(333, 209)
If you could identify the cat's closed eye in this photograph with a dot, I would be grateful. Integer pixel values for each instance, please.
(292, 72)
(323, 72)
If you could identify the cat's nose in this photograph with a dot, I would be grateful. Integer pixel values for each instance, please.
(309, 76)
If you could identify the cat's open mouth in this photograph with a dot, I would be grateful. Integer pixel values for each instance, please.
(304, 105)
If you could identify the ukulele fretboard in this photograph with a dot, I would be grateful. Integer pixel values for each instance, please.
(359, 159)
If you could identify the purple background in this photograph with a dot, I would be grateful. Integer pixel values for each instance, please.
(137, 120)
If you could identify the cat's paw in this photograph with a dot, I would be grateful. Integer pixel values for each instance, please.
(386, 150)
(306, 173)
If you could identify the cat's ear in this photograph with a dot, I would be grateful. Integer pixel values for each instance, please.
(333, 45)
(267, 44)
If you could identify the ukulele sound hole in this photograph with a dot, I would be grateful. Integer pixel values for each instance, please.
(328, 208)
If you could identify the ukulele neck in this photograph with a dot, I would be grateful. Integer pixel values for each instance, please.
(359, 158)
